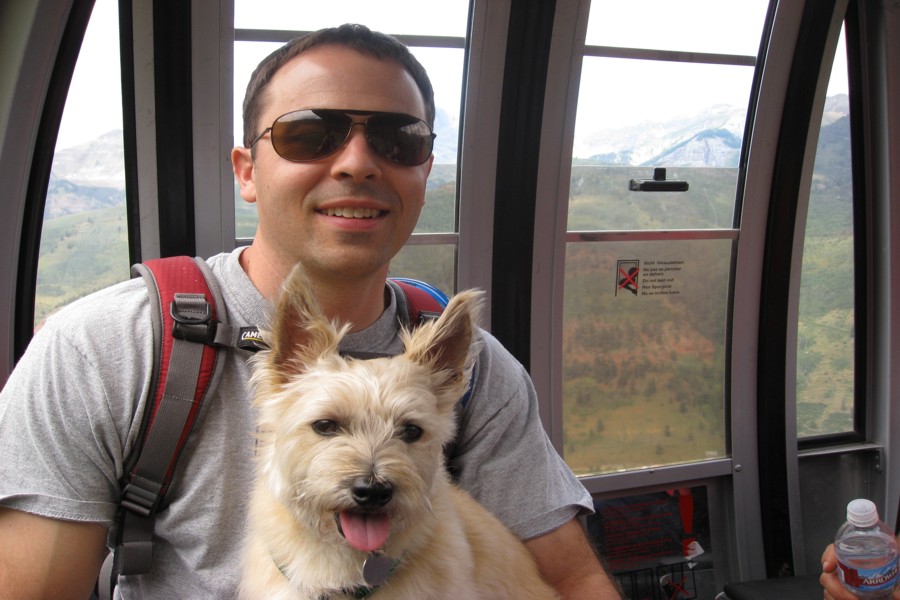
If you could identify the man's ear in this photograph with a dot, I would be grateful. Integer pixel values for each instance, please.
(243, 167)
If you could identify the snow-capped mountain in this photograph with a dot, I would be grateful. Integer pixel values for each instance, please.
(710, 137)
(97, 163)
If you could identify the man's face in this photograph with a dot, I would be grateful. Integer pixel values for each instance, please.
(348, 214)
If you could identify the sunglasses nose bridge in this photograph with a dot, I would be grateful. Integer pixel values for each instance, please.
(368, 146)
(350, 130)
(365, 134)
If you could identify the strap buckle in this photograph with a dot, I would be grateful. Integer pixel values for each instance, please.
(192, 318)
(139, 500)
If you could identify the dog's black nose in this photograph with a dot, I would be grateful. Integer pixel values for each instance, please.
(368, 493)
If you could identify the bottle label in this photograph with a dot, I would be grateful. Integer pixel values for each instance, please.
(879, 579)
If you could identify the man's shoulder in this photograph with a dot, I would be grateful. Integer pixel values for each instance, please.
(102, 303)
(108, 318)
(499, 376)
(224, 260)
(490, 349)
(118, 303)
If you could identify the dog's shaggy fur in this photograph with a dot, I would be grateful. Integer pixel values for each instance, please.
(351, 467)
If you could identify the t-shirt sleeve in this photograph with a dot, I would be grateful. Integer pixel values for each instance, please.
(67, 412)
(502, 455)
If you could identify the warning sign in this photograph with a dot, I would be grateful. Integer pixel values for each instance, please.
(658, 277)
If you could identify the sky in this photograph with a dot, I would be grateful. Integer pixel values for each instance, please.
(612, 93)
(94, 104)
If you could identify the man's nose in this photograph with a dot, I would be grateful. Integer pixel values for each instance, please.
(355, 158)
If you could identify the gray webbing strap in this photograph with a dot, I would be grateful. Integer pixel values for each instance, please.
(143, 494)
(175, 410)
(168, 425)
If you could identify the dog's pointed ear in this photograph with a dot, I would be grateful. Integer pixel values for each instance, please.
(445, 345)
(300, 333)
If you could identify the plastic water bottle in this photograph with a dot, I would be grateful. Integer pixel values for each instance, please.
(866, 551)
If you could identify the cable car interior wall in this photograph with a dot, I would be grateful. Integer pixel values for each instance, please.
(683, 214)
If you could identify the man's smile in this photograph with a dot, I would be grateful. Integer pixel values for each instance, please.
(352, 213)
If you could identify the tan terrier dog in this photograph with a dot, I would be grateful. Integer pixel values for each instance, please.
(352, 498)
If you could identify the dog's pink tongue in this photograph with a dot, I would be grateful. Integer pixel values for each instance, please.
(365, 532)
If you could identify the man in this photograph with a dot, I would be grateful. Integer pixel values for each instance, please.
(339, 189)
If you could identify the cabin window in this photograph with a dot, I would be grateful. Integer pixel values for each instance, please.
(648, 273)
(826, 324)
(84, 239)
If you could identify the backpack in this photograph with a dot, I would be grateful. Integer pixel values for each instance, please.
(191, 330)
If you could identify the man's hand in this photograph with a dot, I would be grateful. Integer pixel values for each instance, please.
(834, 589)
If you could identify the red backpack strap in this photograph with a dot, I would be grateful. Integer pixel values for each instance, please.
(186, 307)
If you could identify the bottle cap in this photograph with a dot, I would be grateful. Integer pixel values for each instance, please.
(862, 513)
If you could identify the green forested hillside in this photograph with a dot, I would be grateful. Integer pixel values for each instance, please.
(644, 373)
(80, 253)
(826, 334)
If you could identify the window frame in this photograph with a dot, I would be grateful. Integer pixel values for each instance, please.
(552, 236)
(732, 480)
(69, 30)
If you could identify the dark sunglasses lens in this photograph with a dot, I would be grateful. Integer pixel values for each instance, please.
(400, 138)
(303, 135)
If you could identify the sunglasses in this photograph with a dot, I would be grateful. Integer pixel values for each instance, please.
(314, 133)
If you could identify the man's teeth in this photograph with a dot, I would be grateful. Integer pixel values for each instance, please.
(353, 213)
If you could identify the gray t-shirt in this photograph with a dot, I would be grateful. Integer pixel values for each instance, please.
(71, 412)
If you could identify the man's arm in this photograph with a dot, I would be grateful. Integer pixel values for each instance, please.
(568, 563)
(48, 558)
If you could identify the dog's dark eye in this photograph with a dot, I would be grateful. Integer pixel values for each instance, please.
(410, 433)
(325, 427)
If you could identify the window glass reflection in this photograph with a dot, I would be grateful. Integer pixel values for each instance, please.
(826, 323)
(644, 353)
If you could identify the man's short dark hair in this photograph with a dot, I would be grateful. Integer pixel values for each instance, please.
(356, 37)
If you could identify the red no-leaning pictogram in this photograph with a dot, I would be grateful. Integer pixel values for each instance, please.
(676, 589)
(627, 276)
